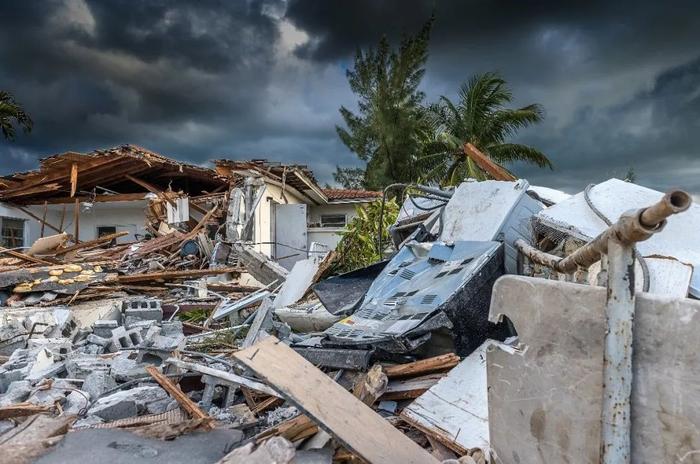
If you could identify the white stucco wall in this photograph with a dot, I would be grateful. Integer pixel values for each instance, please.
(124, 215)
(328, 236)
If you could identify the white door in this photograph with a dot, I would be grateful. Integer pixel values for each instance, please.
(290, 234)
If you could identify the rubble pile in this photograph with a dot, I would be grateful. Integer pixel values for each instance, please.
(194, 336)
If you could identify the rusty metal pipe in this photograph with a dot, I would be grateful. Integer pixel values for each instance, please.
(633, 226)
(673, 202)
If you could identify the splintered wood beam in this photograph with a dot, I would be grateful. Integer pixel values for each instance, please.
(97, 241)
(183, 400)
(96, 199)
(22, 256)
(76, 220)
(170, 275)
(73, 179)
(151, 188)
(495, 170)
(34, 216)
(63, 218)
(440, 363)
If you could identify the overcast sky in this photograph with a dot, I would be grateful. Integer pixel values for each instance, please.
(619, 81)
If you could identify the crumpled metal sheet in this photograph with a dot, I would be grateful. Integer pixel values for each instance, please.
(420, 280)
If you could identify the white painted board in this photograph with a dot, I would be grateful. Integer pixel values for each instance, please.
(457, 406)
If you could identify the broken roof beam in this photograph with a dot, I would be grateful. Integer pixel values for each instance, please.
(496, 171)
(151, 188)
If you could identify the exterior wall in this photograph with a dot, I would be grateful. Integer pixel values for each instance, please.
(328, 236)
(124, 215)
(264, 220)
(32, 228)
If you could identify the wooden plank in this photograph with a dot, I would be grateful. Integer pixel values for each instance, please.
(73, 178)
(76, 220)
(23, 257)
(97, 241)
(151, 188)
(63, 218)
(169, 275)
(484, 162)
(184, 400)
(21, 410)
(336, 410)
(104, 198)
(440, 363)
(34, 216)
(222, 375)
(406, 389)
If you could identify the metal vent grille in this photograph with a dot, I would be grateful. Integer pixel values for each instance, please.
(428, 299)
(407, 274)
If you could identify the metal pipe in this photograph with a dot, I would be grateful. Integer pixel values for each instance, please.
(617, 358)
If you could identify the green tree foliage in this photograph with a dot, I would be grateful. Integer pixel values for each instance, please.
(11, 114)
(480, 117)
(386, 132)
(350, 178)
(358, 247)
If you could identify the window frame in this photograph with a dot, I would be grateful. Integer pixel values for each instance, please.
(333, 224)
(4, 239)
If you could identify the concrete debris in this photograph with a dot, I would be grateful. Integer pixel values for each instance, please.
(221, 323)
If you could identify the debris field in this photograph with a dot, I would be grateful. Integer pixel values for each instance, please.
(192, 345)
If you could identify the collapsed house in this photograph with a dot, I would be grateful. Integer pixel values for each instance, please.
(211, 328)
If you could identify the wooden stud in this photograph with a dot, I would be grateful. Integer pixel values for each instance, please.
(43, 221)
(76, 221)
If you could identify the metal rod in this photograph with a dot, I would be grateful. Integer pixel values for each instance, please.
(617, 360)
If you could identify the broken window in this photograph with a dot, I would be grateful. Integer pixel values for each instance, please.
(12, 232)
(333, 220)
(106, 230)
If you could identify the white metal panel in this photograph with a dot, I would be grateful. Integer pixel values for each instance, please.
(680, 239)
(290, 234)
(478, 210)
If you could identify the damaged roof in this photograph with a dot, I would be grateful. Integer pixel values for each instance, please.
(297, 176)
(105, 172)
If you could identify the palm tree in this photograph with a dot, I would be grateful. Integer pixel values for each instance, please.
(9, 111)
(479, 118)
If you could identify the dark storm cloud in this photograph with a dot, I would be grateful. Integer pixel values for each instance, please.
(100, 73)
(619, 81)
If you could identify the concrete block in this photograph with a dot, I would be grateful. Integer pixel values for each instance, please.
(76, 401)
(144, 309)
(79, 367)
(124, 368)
(104, 327)
(129, 403)
(17, 392)
(97, 383)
